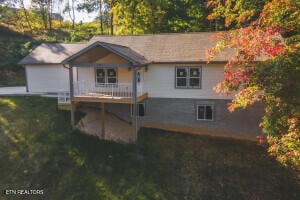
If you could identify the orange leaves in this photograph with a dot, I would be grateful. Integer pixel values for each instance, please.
(265, 67)
(250, 44)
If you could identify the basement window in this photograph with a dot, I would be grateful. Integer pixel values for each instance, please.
(140, 109)
(204, 112)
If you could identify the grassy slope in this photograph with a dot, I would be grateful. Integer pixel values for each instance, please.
(38, 150)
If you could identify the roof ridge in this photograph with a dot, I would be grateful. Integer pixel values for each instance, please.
(108, 43)
(64, 42)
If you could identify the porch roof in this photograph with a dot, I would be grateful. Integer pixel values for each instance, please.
(61, 53)
(124, 52)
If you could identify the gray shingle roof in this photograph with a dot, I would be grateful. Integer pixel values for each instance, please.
(175, 47)
(158, 48)
(52, 53)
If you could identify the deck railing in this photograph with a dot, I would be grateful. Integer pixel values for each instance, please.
(63, 97)
(82, 88)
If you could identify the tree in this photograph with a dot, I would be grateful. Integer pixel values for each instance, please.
(70, 8)
(45, 8)
(235, 13)
(19, 13)
(274, 37)
(186, 16)
(156, 16)
(139, 17)
(103, 8)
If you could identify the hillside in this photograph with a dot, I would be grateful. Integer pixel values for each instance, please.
(14, 46)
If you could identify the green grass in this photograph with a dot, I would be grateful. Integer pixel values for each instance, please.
(38, 150)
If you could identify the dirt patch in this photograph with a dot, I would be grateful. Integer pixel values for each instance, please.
(115, 128)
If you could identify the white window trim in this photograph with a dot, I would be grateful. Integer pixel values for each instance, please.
(212, 114)
(106, 77)
(188, 77)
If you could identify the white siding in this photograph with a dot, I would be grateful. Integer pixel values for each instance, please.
(160, 82)
(47, 78)
(88, 74)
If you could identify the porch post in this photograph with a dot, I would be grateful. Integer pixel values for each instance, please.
(73, 111)
(73, 105)
(71, 80)
(134, 110)
(102, 121)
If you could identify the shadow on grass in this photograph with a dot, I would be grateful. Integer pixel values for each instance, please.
(162, 165)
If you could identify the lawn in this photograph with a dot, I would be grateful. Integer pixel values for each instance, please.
(38, 150)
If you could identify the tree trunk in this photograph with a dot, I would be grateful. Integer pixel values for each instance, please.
(111, 24)
(50, 9)
(101, 17)
(26, 16)
(44, 18)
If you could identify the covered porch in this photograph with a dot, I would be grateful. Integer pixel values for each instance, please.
(106, 73)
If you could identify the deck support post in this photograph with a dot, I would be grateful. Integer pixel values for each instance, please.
(73, 111)
(102, 121)
(134, 108)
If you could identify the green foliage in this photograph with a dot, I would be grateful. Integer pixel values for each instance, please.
(186, 16)
(280, 78)
(38, 150)
(235, 13)
(14, 47)
(286, 148)
(156, 16)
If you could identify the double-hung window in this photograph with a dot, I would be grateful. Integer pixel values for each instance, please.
(106, 76)
(188, 77)
(204, 112)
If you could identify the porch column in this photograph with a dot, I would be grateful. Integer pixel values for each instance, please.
(71, 80)
(73, 104)
(102, 121)
(134, 93)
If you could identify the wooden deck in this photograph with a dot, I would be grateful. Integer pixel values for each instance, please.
(97, 97)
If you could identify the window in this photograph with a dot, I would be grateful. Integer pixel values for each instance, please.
(106, 76)
(188, 77)
(204, 112)
(140, 109)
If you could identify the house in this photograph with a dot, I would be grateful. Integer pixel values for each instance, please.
(164, 75)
